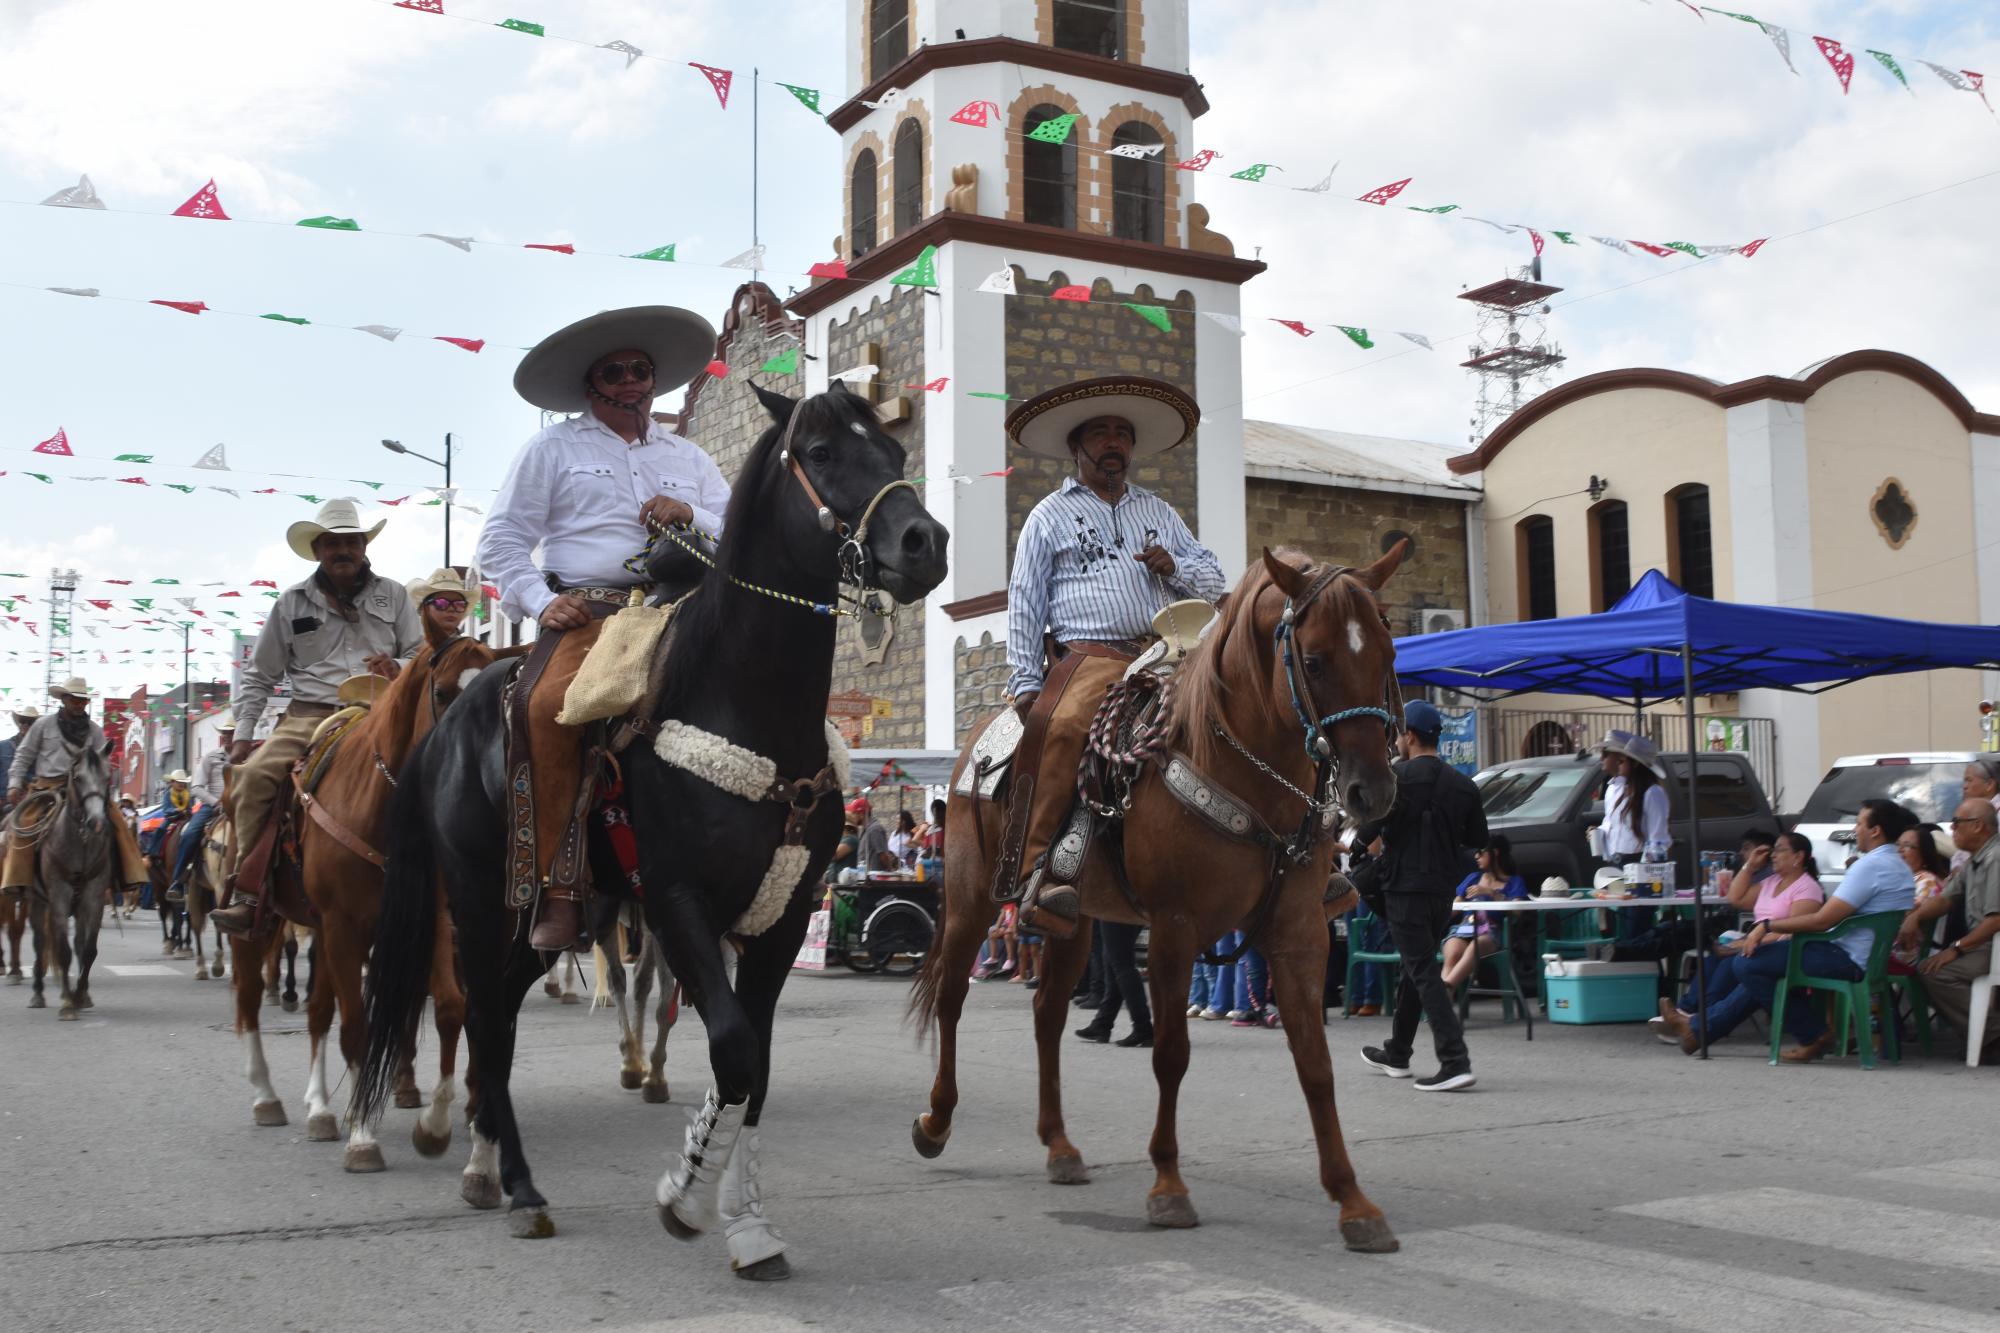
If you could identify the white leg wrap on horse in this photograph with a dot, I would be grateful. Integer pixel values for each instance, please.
(691, 1186)
(752, 1238)
(436, 1118)
(485, 1159)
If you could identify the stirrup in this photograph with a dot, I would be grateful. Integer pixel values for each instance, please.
(1050, 909)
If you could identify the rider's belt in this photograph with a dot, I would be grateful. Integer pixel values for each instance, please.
(310, 712)
(1121, 649)
(617, 597)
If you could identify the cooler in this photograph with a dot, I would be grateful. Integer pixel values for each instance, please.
(1586, 992)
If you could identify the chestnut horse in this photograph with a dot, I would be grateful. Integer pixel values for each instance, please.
(344, 886)
(1290, 693)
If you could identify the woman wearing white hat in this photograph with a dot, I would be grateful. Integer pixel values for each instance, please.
(343, 621)
(41, 761)
(1635, 804)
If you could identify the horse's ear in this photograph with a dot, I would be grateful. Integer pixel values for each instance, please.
(1291, 580)
(1378, 573)
(779, 406)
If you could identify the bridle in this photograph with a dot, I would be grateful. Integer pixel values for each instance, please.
(1318, 744)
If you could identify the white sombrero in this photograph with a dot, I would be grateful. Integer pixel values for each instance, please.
(1161, 415)
(551, 376)
(1636, 748)
(363, 690)
(334, 516)
(442, 579)
(76, 687)
(180, 775)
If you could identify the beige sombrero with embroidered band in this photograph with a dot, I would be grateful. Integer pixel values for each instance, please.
(552, 374)
(335, 516)
(1162, 416)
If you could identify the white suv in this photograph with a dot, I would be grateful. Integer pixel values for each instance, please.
(1929, 785)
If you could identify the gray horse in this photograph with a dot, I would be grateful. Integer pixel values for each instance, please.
(74, 861)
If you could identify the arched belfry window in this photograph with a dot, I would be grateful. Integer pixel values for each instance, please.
(861, 226)
(1139, 186)
(1096, 27)
(1691, 558)
(1048, 186)
(908, 198)
(888, 35)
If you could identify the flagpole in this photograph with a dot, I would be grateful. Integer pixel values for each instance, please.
(755, 142)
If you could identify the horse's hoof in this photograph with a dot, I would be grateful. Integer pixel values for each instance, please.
(409, 1098)
(428, 1144)
(530, 1224)
(478, 1190)
(653, 1092)
(201, 973)
(927, 1146)
(38, 1002)
(631, 1078)
(571, 997)
(1171, 1210)
(676, 1228)
(67, 1014)
(322, 1127)
(551, 989)
(1068, 1171)
(290, 1004)
(84, 1000)
(167, 949)
(13, 978)
(183, 953)
(773, 1269)
(363, 1159)
(270, 999)
(270, 1114)
(1369, 1235)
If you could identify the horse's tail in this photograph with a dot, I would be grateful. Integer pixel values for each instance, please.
(399, 966)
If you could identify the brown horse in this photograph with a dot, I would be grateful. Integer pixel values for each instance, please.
(1244, 702)
(13, 922)
(182, 925)
(343, 881)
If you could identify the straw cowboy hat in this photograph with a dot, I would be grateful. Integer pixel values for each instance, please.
(1161, 415)
(363, 690)
(226, 720)
(442, 579)
(334, 516)
(552, 375)
(180, 775)
(1636, 748)
(76, 687)
(27, 712)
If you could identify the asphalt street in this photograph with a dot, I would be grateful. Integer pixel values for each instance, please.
(1595, 1179)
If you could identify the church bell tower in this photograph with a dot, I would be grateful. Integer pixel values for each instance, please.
(1036, 163)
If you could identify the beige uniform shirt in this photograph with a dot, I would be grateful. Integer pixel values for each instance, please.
(307, 640)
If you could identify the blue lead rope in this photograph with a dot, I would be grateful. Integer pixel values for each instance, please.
(1315, 732)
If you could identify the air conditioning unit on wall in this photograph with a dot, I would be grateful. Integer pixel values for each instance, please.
(1436, 619)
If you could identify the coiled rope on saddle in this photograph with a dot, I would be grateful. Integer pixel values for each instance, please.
(26, 833)
(1128, 732)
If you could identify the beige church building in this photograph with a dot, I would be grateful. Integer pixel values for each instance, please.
(1864, 483)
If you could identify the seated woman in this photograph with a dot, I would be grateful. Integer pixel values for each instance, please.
(1923, 849)
(1776, 880)
(1474, 937)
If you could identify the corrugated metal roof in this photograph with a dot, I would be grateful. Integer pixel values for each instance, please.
(1306, 453)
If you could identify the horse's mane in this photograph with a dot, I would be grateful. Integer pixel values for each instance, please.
(1234, 651)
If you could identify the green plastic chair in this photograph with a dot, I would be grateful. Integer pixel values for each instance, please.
(1852, 1000)
(1911, 988)
(1357, 958)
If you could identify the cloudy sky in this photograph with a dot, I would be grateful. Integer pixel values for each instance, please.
(1605, 117)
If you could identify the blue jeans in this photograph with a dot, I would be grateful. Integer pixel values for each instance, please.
(1374, 938)
(1222, 990)
(1757, 979)
(1201, 985)
(191, 840)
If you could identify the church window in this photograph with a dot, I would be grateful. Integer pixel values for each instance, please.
(861, 227)
(1691, 555)
(909, 185)
(1535, 553)
(1610, 553)
(1048, 194)
(889, 35)
(1096, 27)
(1139, 187)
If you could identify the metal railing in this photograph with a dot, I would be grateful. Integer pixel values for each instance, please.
(1517, 733)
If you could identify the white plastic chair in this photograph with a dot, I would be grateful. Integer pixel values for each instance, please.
(1975, 1018)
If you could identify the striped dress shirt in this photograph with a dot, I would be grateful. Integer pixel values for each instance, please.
(1075, 575)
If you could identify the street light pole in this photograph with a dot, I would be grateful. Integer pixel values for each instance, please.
(187, 629)
(398, 447)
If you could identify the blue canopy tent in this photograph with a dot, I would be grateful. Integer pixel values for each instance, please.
(1660, 642)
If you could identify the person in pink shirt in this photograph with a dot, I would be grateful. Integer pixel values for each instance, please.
(1777, 879)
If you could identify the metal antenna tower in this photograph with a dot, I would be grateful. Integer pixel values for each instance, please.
(62, 613)
(1511, 354)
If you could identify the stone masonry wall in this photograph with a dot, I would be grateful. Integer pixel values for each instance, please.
(897, 327)
(980, 673)
(1053, 343)
(726, 418)
(1352, 527)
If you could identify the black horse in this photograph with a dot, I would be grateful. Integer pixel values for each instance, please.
(820, 501)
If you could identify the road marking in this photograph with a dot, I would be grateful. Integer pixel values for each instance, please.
(1636, 1283)
(1982, 1177)
(141, 970)
(1882, 1230)
(1159, 1295)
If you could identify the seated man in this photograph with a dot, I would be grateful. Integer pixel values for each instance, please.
(42, 760)
(177, 805)
(581, 495)
(1090, 571)
(210, 772)
(1879, 882)
(345, 620)
(1951, 973)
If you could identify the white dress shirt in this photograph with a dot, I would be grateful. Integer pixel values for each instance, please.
(574, 493)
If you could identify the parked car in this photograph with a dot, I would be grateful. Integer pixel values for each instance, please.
(1546, 807)
(1928, 784)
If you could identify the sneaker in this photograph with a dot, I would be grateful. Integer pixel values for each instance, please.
(1031, 983)
(1236, 1014)
(1247, 1018)
(1271, 1019)
(1367, 1010)
(1454, 1080)
(1194, 1011)
(1212, 1015)
(1377, 1058)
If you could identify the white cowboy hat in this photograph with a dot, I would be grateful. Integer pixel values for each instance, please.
(226, 720)
(180, 775)
(334, 516)
(552, 374)
(1636, 748)
(76, 687)
(1161, 415)
(28, 711)
(442, 579)
(363, 690)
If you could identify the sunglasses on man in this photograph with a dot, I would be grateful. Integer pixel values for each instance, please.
(613, 373)
(444, 602)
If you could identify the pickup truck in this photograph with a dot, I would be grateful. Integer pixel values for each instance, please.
(1546, 807)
